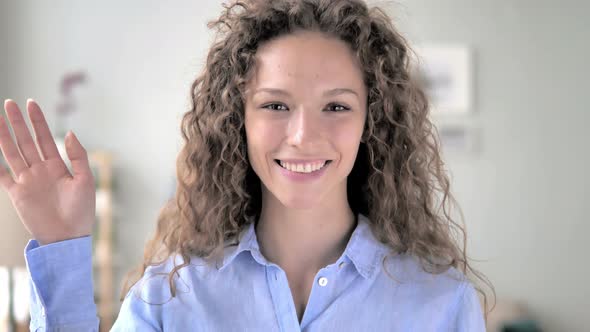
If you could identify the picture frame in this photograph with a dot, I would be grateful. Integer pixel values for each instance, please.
(445, 73)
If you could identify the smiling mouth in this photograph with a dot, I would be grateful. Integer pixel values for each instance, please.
(303, 171)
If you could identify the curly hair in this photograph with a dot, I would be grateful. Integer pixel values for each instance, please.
(398, 179)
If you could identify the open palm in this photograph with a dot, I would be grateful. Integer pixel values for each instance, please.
(53, 204)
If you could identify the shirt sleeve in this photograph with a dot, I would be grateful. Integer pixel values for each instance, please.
(62, 294)
(469, 315)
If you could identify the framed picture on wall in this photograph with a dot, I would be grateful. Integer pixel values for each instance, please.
(445, 73)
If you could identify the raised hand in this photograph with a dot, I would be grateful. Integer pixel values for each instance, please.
(53, 204)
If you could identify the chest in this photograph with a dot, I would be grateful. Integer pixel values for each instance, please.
(267, 299)
(300, 288)
(358, 308)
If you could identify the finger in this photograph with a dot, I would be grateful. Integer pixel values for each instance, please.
(6, 180)
(78, 155)
(24, 140)
(43, 134)
(9, 150)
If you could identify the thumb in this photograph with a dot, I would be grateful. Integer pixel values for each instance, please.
(77, 155)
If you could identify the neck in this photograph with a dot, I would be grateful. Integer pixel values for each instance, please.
(304, 241)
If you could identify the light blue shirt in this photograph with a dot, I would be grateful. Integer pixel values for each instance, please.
(246, 292)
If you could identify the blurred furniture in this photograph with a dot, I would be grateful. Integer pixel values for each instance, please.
(511, 316)
(14, 288)
(101, 164)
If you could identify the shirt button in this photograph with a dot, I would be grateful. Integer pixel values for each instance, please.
(323, 281)
(341, 265)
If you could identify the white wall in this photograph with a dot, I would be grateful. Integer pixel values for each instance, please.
(523, 194)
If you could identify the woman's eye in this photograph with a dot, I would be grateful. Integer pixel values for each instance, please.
(337, 108)
(282, 107)
(275, 107)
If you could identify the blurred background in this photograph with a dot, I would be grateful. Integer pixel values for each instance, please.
(514, 135)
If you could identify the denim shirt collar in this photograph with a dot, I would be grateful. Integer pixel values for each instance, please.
(363, 249)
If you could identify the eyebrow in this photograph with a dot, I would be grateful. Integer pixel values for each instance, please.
(327, 93)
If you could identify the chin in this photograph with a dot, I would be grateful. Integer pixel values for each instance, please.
(294, 201)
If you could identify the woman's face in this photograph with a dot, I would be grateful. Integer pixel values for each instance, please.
(305, 105)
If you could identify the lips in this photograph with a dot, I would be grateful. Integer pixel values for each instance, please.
(302, 161)
(305, 175)
(291, 162)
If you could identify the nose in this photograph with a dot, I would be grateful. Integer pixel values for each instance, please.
(302, 128)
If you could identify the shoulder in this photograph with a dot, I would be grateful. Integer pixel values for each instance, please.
(447, 298)
(150, 303)
(155, 286)
(409, 274)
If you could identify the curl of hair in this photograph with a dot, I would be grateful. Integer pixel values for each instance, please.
(398, 180)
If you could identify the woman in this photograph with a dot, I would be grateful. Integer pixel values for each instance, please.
(311, 192)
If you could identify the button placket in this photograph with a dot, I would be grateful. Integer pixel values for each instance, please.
(280, 292)
(320, 295)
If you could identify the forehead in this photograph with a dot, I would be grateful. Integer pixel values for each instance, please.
(306, 61)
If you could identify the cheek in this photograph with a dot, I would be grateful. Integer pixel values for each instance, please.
(347, 140)
(260, 137)
(347, 135)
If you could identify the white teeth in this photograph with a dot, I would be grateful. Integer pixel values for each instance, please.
(303, 168)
